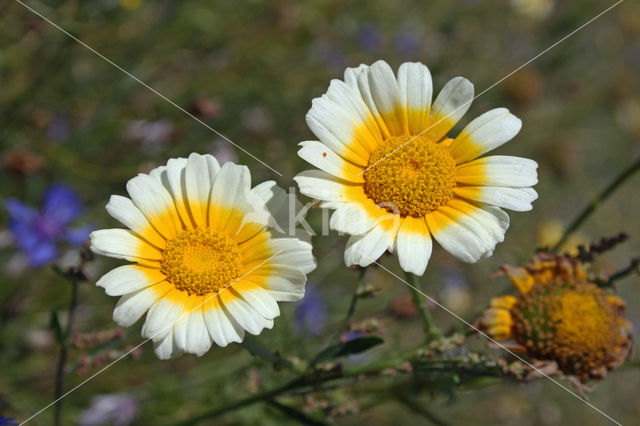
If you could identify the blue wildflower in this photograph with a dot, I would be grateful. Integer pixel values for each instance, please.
(7, 421)
(38, 233)
(351, 335)
(407, 42)
(369, 38)
(311, 313)
(118, 409)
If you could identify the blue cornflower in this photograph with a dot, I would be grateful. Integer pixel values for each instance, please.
(369, 38)
(311, 313)
(38, 233)
(7, 421)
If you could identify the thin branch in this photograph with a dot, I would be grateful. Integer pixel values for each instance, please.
(64, 349)
(430, 327)
(596, 202)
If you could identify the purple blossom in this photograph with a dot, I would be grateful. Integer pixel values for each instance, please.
(58, 129)
(351, 335)
(407, 42)
(311, 313)
(38, 233)
(119, 409)
(369, 38)
(7, 421)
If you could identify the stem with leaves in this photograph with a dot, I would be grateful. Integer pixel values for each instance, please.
(596, 202)
(313, 379)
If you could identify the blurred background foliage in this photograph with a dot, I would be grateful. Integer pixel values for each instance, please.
(250, 69)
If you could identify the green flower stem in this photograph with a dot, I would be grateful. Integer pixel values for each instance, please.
(257, 349)
(596, 202)
(64, 349)
(354, 298)
(313, 379)
(430, 327)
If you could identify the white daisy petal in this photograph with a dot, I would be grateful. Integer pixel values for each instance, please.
(166, 348)
(284, 283)
(174, 180)
(129, 278)
(123, 210)
(260, 300)
(123, 244)
(282, 206)
(351, 218)
(228, 193)
(200, 172)
(132, 306)
(385, 92)
(364, 87)
(243, 313)
(466, 231)
(416, 91)
(319, 155)
(414, 245)
(364, 249)
(516, 199)
(222, 328)
(351, 75)
(290, 251)
(452, 103)
(155, 202)
(336, 128)
(321, 186)
(486, 132)
(366, 133)
(162, 317)
(499, 170)
(198, 339)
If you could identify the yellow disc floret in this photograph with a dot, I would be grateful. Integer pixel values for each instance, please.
(410, 178)
(201, 261)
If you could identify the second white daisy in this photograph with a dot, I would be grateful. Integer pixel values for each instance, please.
(208, 266)
(395, 179)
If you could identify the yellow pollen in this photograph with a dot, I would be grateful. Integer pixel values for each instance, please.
(583, 320)
(412, 179)
(571, 323)
(201, 261)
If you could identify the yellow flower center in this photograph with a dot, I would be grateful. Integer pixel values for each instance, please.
(201, 261)
(410, 178)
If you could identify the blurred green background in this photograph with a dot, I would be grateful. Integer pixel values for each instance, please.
(250, 69)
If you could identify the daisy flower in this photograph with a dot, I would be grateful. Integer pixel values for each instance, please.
(209, 261)
(560, 318)
(394, 177)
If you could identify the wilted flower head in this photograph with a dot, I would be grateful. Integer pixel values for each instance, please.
(115, 410)
(38, 233)
(560, 316)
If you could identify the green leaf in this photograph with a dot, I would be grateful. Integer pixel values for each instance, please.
(350, 347)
